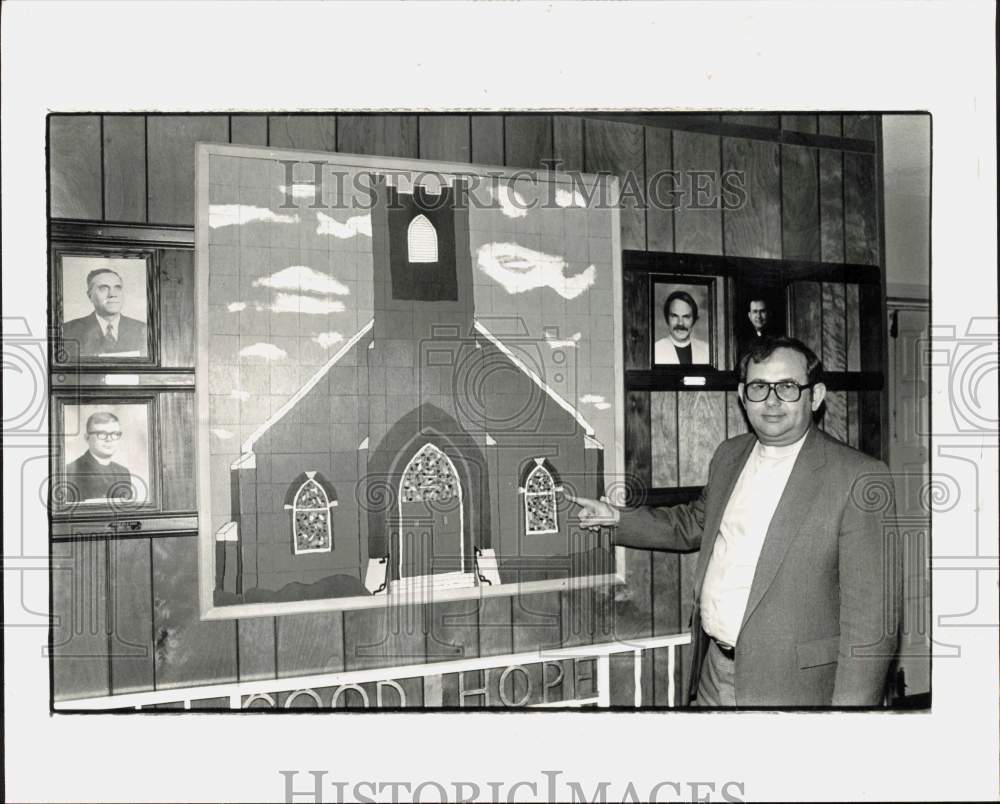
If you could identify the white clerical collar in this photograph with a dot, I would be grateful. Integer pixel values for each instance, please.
(785, 451)
(100, 460)
(680, 345)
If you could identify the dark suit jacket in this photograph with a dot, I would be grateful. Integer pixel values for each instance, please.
(820, 627)
(88, 479)
(83, 337)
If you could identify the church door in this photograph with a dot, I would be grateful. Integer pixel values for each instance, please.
(431, 515)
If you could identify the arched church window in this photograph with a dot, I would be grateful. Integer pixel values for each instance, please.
(429, 477)
(311, 507)
(421, 240)
(540, 515)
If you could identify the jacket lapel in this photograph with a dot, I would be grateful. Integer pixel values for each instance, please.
(729, 475)
(804, 487)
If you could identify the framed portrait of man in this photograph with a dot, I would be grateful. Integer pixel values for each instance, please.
(103, 308)
(758, 311)
(683, 322)
(105, 455)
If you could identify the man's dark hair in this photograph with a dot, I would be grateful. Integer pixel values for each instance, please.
(101, 417)
(98, 272)
(762, 348)
(760, 299)
(685, 297)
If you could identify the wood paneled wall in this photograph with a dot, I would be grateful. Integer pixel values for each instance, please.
(126, 609)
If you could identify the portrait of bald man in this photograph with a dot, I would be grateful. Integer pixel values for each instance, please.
(106, 330)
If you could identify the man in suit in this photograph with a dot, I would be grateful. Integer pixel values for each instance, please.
(680, 347)
(105, 331)
(796, 586)
(759, 317)
(94, 476)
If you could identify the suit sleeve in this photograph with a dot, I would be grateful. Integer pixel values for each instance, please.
(870, 590)
(677, 527)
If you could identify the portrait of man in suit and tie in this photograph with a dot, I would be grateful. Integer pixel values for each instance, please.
(114, 466)
(760, 313)
(797, 595)
(110, 288)
(681, 328)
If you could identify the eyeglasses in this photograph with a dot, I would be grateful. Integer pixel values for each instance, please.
(104, 436)
(786, 390)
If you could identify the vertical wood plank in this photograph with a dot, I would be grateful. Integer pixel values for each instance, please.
(578, 610)
(311, 132)
(834, 353)
(378, 134)
(384, 637)
(131, 609)
(487, 139)
(256, 648)
(869, 423)
(177, 459)
(870, 315)
(496, 635)
(753, 229)
(806, 123)
(445, 137)
(80, 619)
(637, 439)
(800, 225)
(187, 650)
(567, 144)
(176, 292)
(756, 119)
(807, 312)
(859, 126)
(537, 620)
(688, 565)
(75, 166)
(666, 593)
(852, 314)
(852, 419)
(736, 423)
(829, 124)
(248, 129)
(527, 140)
(453, 630)
(125, 167)
(635, 304)
(701, 428)
(663, 438)
(860, 223)
(835, 418)
(170, 140)
(831, 205)
(619, 149)
(660, 187)
(310, 643)
(697, 220)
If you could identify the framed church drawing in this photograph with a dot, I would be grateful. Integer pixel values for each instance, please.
(401, 366)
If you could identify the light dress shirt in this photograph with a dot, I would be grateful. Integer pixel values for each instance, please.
(726, 588)
(109, 322)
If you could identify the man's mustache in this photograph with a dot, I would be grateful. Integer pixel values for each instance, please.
(680, 328)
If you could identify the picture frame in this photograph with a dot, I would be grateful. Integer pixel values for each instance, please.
(81, 305)
(691, 300)
(93, 475)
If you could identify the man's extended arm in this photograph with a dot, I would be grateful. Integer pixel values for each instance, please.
(870, 593)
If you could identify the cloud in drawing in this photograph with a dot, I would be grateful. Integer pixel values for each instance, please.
(512, 203)
(520, 269)
(299, 190)
(235, 307)
(302, 279)
(355, 225)
(307, 305)
(264, 351)
(328, 339)
(596, 400)
(563, 343)
(238, 214)
(221, 434)
(567, 198)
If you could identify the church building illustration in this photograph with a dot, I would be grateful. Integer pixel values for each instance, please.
(426, 452)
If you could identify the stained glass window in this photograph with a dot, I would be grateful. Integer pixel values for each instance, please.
(421, 240)
(540, 502)
(429, 477)
(312, 528)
